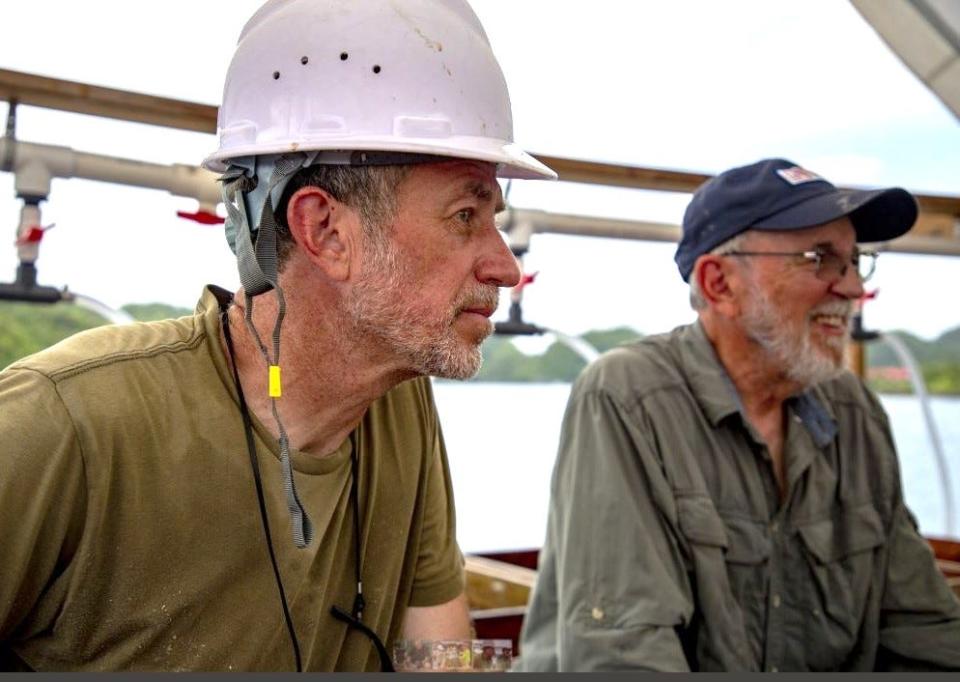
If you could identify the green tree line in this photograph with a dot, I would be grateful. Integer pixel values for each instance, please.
(27, 328)
(939, 360)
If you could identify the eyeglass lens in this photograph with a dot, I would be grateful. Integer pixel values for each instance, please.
(832, 265)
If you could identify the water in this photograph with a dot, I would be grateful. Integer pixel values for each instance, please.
(918, 467)
(502, 440)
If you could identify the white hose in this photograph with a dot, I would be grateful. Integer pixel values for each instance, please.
(578, 345)
(101, 309)
(920, 389)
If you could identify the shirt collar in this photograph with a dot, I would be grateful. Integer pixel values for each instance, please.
(816, 417)
(708, 379)
(714, 390)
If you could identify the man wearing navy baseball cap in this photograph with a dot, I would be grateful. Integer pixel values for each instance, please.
(726, 496)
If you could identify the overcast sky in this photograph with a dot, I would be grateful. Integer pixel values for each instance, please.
(678, 84)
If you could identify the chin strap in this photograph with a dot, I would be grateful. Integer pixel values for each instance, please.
(256, 252)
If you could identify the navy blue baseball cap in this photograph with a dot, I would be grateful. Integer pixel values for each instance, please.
(777, 194)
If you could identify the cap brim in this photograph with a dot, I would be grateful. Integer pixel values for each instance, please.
(877, 215)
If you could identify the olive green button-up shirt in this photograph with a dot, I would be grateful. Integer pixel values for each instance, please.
(668, 547)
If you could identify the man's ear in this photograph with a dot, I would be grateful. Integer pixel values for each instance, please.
(322, 228)
(713, 274)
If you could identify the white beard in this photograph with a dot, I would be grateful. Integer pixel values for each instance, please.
(794, 350)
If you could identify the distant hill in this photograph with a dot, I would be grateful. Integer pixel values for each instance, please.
(939, 361)
(146, 312)
(503, 361)
(26, 328)
(610, 338)
(945, 348)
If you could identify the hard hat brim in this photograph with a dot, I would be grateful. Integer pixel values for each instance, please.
(511, 160)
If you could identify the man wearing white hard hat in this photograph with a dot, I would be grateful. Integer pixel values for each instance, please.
(264, 485)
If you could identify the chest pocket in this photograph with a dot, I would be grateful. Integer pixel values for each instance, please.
(840, 552)
(747, 558)
(727, 558)
(699, 522)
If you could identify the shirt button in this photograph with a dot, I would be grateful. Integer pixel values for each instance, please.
(797, 419)
(816, 612)
(774, 669)
(776, 601)
(597, 613)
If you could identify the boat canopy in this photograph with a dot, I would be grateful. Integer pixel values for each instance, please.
(925, 34)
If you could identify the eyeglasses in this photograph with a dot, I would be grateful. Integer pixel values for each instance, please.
(829, 265)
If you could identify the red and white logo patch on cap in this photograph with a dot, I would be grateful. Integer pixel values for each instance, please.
(797, 175)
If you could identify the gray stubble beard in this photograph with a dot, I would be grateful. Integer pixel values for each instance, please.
(377, 307)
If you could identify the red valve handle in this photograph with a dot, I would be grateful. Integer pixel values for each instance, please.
(202, 217)
(33, 235)
(526, 279)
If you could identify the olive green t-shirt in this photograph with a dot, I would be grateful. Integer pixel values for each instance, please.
(130, 536)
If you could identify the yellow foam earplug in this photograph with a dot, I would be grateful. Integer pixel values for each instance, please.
(274, 381)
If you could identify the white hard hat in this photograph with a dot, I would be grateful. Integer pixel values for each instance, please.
(405, 76)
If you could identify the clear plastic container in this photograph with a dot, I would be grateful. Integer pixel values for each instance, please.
(453, 655)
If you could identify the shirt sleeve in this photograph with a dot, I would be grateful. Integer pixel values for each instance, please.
(920, 616)
(439, 576)
(612, 587)
(42, 501)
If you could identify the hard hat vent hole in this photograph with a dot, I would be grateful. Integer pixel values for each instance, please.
(304, 60)
(376, 68)
(343, 56)
(276, 75)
